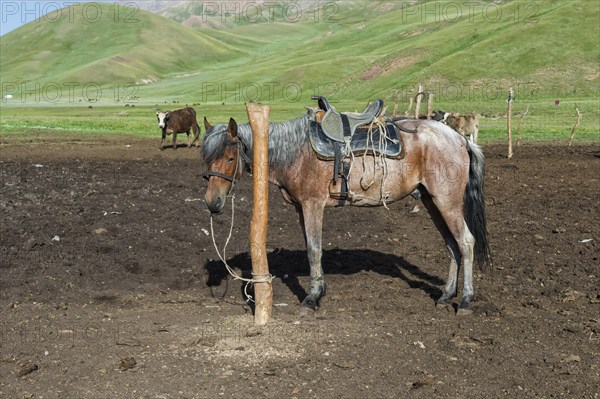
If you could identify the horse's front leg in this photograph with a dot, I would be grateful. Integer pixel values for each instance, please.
(311, 219)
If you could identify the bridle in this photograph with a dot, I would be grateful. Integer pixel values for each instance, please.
(245, 160)
(242, 158)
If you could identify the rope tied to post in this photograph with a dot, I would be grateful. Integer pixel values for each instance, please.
(261, 278)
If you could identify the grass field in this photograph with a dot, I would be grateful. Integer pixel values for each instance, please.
(544, 121)
(352, 53)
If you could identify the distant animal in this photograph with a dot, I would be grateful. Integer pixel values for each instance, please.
(466, 125)
(437, 115)
(179, 121)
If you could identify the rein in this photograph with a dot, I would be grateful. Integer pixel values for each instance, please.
(242, 158)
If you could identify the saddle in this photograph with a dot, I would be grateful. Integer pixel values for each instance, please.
(342, 126)
(335, 136)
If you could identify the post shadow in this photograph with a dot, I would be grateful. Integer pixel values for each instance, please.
(294, 263)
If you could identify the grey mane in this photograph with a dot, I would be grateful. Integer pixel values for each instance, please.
(286, 140)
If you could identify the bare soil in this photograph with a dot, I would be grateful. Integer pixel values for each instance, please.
(109, 287)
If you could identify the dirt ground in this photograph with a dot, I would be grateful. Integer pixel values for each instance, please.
(109, 287)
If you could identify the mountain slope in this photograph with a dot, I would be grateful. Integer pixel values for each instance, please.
(358, 50)
(383, 50)
(114, 48)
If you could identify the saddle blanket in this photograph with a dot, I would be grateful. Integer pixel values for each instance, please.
(362, 141)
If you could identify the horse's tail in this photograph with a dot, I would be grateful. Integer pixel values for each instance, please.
(474, 206)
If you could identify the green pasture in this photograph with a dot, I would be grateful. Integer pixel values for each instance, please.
(356, 52)
(543, 122)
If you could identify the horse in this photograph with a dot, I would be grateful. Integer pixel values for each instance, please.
(437, 164)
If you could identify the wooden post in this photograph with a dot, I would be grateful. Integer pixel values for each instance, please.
(263, 290)
(410, 104)
(429, 106)
(510, 101)
(418, 106)
(395, 110)
(519, 127)
(579, 115)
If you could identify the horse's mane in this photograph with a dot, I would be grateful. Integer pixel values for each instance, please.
(286, 139)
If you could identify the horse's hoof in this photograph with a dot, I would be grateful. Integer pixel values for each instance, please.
(308, 306)
(305, 312)
(464, 311)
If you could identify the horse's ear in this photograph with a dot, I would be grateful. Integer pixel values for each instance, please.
(232, 130)
(207, 125)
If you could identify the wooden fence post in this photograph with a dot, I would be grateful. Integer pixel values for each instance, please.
(579, 115)
(519, 127)
(510, 101)
(263, 291)
(429, 105)
(410, 104)
(418, 106)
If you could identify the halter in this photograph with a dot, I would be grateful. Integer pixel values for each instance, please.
(242, 158)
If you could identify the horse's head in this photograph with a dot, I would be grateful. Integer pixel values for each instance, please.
(222, 150)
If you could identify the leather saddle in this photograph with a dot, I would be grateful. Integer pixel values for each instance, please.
(334, 135)
(342, 126)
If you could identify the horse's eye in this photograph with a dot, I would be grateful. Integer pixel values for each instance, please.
(230, 160)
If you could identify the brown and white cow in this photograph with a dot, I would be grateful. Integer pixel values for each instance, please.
(178, 121)
(467, 125)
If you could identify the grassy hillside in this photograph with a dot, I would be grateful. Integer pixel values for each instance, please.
(350, 50)
(363, 53)
(108, 44)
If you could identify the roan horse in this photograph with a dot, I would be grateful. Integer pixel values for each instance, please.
(438, 165)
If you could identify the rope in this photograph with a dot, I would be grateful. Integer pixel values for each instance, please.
(261, 278)
(379, 158)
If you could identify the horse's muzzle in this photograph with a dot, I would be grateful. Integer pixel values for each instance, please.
(216, 206)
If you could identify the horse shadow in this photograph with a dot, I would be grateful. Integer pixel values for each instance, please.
(291, 264)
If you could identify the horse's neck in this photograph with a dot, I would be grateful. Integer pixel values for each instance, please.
(285, 142)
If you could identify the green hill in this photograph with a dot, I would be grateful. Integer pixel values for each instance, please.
(357, 50)
(111, 45)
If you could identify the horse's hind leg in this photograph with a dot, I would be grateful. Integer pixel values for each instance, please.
(452, 214)
(455, 258)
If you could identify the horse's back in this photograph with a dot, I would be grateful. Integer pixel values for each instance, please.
(434, 139)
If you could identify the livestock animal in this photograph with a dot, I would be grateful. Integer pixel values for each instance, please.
(438, 164)
(466, 125)
(179, 121)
